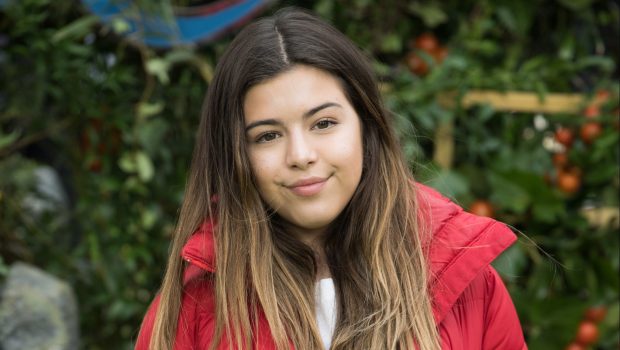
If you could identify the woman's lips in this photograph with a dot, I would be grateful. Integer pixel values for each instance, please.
(308, 187)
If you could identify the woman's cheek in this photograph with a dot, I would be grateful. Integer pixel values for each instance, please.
(265, 167)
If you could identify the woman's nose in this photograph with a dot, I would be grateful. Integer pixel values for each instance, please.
(301, 152)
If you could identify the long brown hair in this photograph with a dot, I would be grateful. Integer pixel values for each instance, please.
(374, 249)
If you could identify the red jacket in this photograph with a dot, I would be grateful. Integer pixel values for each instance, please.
(470, 303)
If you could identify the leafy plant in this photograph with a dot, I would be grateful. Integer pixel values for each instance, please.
(115, 122)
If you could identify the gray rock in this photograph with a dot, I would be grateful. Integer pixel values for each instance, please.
(37, 311)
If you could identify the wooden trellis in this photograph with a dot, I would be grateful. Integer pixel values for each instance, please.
(525, 102)
(511, 101)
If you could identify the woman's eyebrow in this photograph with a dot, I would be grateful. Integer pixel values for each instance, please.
(262, 122)
(316, 109)
(307, 114)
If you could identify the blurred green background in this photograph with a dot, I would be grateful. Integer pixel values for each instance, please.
(114, 122)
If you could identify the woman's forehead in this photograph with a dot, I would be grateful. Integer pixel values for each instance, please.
(294, 91)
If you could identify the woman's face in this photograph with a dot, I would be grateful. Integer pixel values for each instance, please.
(305, 147)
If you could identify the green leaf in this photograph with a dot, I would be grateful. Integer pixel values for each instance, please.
(137, 162)
(575, 5)
(325, 8)
(533, 64)
(447, 182)
(179, 55)
(144, 166)
(120, 25)
(567, 48)
(148, 218)
(159, 68)
(546, 205)
(391, 43)
(6, 140)
(552, 320)
(517, 16)
(431, 13)
(75, 29)
(151, 134)
(188, 56)
(147, 109)
(508, 194)
(511, 263)
(127, 163)
(94, 248)
(604, 145)
(612, 320)
(507, 19)
(604, 63)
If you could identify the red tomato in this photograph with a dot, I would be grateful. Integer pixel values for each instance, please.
(426, 42)
(596, 314)
(560, 160)
(482, 208)
(569, 182)
(416, 64)
(440, 54)
(592, 111)
(574, 346)
(602, 95)
(590, 131)
(587, 333)
(564, 136)
(575, 171)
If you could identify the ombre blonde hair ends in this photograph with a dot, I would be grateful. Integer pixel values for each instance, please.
(375, 248)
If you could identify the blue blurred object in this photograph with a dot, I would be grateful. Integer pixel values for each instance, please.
(194, 25)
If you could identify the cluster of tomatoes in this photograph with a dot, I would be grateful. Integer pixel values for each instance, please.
(587, 331)
(428, 44)
(108, 142)
(568, 176)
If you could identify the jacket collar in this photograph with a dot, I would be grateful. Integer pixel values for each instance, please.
(461, 246)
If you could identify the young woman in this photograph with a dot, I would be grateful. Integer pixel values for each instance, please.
(301, 226)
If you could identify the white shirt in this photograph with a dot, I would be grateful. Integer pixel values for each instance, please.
(325, 299)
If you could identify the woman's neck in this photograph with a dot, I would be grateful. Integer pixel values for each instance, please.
(318, 246)
(315, 239)
(322, 268)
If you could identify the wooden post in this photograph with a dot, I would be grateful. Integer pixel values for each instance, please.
(443, 154)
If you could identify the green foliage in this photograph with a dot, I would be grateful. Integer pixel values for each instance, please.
(117, 121)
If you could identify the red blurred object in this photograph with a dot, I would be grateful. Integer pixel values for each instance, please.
(564, 136)
(416, 64)
(426, 42)
(587, 333)
(482, 208)
(590, 131)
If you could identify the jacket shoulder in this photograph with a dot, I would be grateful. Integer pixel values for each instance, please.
(461, 246)
(483, 317)
(196, 319)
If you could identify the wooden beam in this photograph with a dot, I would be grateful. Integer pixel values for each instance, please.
(521, 101)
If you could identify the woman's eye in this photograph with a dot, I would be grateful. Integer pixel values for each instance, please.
(324, 124)
(267, 137)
